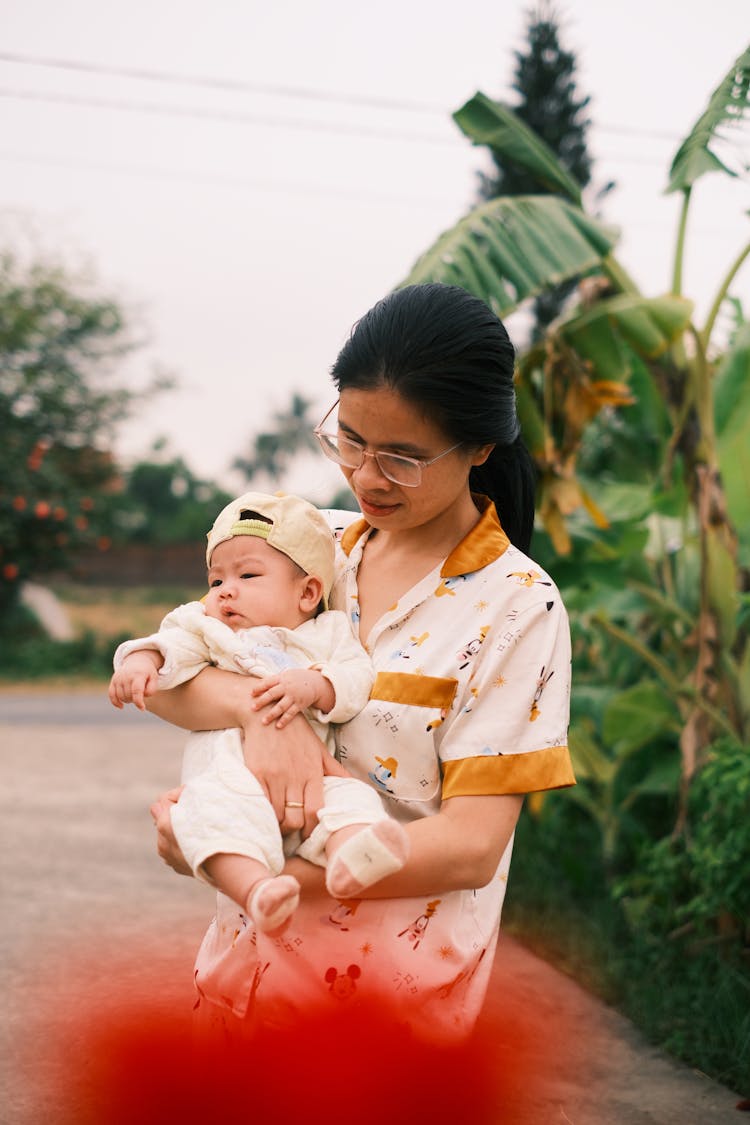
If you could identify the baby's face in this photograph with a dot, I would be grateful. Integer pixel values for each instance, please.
(251, 583)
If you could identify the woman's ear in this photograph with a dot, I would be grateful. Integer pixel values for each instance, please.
(311, 593)
(481, 454)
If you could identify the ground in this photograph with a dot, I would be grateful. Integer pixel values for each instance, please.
(92, 921)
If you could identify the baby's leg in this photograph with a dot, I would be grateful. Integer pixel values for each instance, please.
(361, 855)
(269, 900)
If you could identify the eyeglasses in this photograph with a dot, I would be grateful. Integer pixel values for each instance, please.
(406, 471)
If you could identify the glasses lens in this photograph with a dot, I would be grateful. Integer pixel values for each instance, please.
(401, 470)
(340, 450)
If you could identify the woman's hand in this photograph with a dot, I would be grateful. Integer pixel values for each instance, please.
(289, 763)
(166, 841)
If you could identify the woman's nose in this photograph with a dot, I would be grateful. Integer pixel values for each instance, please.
(369, 474)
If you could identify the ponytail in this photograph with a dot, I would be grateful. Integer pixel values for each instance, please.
(508, 478)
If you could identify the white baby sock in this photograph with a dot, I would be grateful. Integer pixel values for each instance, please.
(364, 859)
(272, 902)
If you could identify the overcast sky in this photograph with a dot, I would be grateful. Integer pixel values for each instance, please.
(247, 227)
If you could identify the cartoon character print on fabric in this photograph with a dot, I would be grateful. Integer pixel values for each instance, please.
(343, 985)
(465, 655)
(415, 931)
(406, 653)
(437, 721)
(529, 578)
(343, 912)
(386, 769)
(473, 696)
(447, 585)
(445, 990)
(541, 684)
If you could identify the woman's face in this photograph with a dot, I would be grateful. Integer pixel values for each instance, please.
(381, 419)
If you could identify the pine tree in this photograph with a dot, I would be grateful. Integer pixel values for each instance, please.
(548, 102)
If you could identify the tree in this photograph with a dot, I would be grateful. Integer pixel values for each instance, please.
(545, 82)
(162, 501)
(681, 628)
(274, 449)
(58, 411)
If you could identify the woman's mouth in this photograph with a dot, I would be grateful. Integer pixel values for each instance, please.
(373, 508)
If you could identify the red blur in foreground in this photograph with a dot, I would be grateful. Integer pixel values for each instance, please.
(129, 1057)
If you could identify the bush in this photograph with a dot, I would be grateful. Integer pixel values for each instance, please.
(26, 652)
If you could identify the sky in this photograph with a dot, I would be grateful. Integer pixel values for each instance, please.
(247, 178)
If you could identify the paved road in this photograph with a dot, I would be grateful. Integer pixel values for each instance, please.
(91, 917)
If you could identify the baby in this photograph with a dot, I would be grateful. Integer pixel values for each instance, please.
(270, 570)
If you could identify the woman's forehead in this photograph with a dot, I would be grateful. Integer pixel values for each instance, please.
(383, 417)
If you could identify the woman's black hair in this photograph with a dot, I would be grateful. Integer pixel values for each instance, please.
(447, 353)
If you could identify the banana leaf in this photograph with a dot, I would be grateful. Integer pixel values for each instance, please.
(512, 248)
(732, 406)
(648, 325)
(727, 105)
(487, 122)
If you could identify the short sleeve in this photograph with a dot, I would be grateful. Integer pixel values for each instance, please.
(508, 729)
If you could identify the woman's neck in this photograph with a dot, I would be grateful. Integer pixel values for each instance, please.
(432, 541)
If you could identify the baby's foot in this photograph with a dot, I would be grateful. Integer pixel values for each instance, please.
(364, 859)
(272, 902)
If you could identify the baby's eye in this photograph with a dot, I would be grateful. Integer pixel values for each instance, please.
(248, 576)
(214, 583)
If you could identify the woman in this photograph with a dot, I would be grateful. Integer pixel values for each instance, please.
(469, 711)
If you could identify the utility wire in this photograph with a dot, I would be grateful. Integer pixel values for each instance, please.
(236, 85)
(305, 93)
(233, 117)
(193, 176)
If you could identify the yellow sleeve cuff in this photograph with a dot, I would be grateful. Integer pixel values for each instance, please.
(498, 774)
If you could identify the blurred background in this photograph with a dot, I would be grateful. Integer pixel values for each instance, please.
(196, 204)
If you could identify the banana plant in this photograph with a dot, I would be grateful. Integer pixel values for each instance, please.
(508, 250)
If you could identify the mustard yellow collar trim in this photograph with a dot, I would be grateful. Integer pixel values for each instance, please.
(485, 542)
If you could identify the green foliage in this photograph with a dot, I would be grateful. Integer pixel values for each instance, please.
(164, 502)
(58, 410)
(27, 653)
(694, 885)
(545, 85)
(640, 428)
(547, 103)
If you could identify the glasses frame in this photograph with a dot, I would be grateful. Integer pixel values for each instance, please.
(421, 463)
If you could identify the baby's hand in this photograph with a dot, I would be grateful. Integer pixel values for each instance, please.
(290, 692)
(136, 678)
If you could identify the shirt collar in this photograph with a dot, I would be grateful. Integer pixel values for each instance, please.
(484, 543)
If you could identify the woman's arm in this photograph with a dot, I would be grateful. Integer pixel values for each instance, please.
(458, 848)
(288, 763)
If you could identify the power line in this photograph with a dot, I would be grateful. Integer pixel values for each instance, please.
(201, 178)
(305, 93)
(236, 85)
(234, 117)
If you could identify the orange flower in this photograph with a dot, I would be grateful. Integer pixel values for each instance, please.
(59, 513)
(104, 543)
(10, 571)
(19, 503)
(42, 509)
(81, 523)
(87, 503)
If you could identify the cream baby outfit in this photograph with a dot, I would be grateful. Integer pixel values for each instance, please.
(222, 808)
(471, 697)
